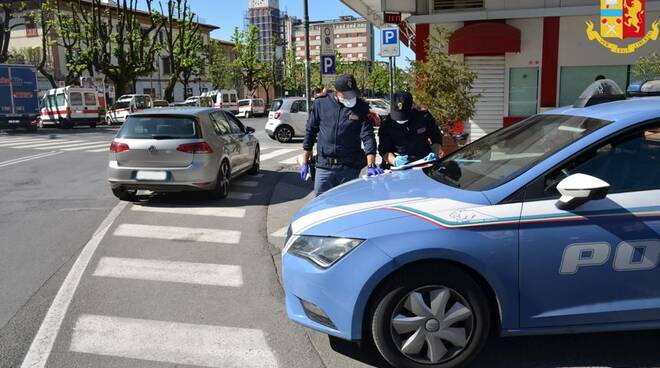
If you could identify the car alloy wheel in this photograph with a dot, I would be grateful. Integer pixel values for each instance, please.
(221, 190)
(432, 324)
(256, 165)
(284, 134)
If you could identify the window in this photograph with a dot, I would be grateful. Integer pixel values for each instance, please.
(234, 98)
(142, 102)
(510, 152)
(349, 45)
(220, 124)
(629, 162)
(76, 99)
(235, 126)
(457, 4)
(158, 127)
(225, 98)
(31, 29)
(90, 99)
(574, 79)
(523, 91)
(299, 106)
(167, 67)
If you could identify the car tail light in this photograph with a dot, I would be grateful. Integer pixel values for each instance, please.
(117, 147)
(198, 148)
(277, 115)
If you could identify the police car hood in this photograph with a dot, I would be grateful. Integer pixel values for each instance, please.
(371, 200)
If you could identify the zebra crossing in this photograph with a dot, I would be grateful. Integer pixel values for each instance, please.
(64, 144)
(186, 340)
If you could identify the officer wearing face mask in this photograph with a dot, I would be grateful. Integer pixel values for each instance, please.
(339, 122)
(408, 134)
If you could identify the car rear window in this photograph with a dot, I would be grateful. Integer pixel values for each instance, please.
(276, 105)
(122, 104)
(90, 99)
(76, 99)
(159, 127)
(244, 103)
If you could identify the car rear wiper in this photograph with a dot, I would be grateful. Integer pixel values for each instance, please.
(157, 136)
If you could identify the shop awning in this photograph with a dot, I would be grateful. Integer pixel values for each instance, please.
(487, 38)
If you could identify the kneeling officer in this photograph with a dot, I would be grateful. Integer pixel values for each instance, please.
(340, 123)
(408, 134)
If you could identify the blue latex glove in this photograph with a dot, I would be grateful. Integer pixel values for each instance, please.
(375, 171)
(431, 157)
(304, 172)
(401, 160)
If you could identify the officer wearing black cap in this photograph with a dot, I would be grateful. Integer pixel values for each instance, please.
(408, 134)
(339, 122)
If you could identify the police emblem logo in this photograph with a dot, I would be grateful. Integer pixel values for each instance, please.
(350, 84)
(622, 19)
(399, 105)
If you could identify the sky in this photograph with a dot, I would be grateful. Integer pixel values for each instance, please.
(228, 14)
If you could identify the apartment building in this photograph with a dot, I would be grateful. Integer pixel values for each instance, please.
(354, 39)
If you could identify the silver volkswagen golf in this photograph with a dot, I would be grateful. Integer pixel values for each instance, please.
(181, 149)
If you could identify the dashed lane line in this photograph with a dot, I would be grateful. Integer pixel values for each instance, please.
(97, 145)
(27, 158)
(47, 144)
(172, 342)
(178, 233)
(89, 145)
(170, 271)
(276, 153)
(43, 342)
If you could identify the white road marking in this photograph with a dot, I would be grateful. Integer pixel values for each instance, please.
(172, 342)
(106, 149)
(196, 211)
(97, 145)
(43, 342)
(28, 158)
(169, 271)
(240, 196)
(247, 183)
(85, 145)
(179, 233)
(281, 233)
(27, 141)
(290, 161)
(48, 144)
(276, 153)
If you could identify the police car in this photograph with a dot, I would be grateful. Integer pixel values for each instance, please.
(547, 226)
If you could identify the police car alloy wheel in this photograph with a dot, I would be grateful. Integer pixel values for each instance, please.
(430, 316)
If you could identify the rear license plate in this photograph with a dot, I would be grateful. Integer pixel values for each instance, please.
(151, 175)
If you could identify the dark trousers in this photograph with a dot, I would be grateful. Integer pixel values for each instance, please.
(327, 179)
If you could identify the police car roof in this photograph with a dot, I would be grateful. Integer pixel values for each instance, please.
(628, 111)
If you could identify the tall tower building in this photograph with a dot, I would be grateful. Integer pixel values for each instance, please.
(265, 14)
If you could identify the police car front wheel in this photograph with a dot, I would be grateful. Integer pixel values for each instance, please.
(436, 317)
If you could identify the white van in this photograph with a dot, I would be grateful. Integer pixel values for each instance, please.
(225, 99)
(71, 106)
(251, 107)
(126, 105)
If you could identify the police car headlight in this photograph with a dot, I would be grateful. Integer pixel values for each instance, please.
(323, 251)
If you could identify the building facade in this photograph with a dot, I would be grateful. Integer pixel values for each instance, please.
(30, 36)
(529, 55)
(265, 15)
(354, 39)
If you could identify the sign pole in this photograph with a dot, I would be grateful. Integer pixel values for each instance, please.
(391, 79)
(308, 86)
(394, 71)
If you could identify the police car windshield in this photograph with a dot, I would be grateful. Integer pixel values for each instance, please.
(509, 152)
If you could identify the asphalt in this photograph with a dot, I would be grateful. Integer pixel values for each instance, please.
(127, 314)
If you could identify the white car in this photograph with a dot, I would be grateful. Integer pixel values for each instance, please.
(251, 107)
(126, 105)
(287, 119)
(379, 106)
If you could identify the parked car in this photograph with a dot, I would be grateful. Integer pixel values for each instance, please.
(379, 106)
(71, 106)
(287, 119)
(251, 107)
(126, 105)
(159, 103)
(19, 103)
(199, 101)
(548, 226)
(173, 149)
(224, 99)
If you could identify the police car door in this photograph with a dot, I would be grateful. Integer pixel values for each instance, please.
(597, 263)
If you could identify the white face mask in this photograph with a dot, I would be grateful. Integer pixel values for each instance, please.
(402, 121)
(351, 102)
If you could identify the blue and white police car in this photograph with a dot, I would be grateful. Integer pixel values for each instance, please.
(547, 226)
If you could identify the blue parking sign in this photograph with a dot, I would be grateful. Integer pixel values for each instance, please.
(390, 36)
(389, 42)
(328, 64)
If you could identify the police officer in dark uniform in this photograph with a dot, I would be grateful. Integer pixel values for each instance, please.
(340, 123)
(408, 134)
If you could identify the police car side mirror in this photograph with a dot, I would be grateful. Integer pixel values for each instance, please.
(579, 189)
